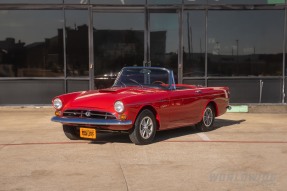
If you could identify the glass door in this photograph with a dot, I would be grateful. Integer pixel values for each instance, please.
(118, 42)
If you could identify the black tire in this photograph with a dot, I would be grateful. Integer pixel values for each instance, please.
(144, 128)
(206, 124)
(70, 132)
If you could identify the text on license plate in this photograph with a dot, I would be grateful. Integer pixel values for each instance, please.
(88, 133)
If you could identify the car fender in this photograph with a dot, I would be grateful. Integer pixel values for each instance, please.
(150, 107)
(214, 104)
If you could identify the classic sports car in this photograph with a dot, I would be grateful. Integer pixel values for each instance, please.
(142, 101)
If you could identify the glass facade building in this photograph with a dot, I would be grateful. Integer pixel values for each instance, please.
(51, 47)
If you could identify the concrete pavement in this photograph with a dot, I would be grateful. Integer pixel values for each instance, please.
(246, 152)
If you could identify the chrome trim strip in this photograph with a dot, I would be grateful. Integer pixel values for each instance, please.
(82, 112)
(85, 121)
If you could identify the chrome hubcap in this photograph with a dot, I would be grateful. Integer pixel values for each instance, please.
(146, 127)
(208, 117)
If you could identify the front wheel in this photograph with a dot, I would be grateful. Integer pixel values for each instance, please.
(70, 132)
(206, 124)
(144, 129)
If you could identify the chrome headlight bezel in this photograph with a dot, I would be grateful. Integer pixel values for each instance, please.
(119, 106)
(57, 103)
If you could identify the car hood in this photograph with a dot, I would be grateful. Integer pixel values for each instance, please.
(105, 98)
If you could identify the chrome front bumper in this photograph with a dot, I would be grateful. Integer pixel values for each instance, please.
(85, 121)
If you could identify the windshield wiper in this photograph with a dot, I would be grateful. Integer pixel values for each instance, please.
(121, 83)
(136, 82)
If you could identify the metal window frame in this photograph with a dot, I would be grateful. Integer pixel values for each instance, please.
(284, 57)
(180, 44)
(56, 7)
(180, 8)
(111, 9)
(207, 8)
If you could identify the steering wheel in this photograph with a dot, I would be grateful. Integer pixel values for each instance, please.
(158, 82)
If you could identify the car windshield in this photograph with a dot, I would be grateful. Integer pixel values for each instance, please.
(143, 77)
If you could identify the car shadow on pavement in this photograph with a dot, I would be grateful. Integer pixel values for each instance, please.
(218, 123)
(180, 132)
(103, 138)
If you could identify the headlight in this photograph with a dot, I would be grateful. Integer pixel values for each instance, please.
(119, 106)
(57, 103)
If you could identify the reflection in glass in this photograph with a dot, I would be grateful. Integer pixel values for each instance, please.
(246, 1)
(158, 2)
(31, 43)
(118, 2)
(194, 43)
(118, 42)
(221, 2)
(77, 43)
(76, 2)
(32, 1)
(164, 40)
(245, 43)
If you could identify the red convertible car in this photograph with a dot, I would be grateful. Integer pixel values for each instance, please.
(142, 101)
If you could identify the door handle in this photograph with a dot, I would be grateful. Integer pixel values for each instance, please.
(198, 91)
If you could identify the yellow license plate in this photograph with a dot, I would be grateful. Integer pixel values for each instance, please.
(88, 133)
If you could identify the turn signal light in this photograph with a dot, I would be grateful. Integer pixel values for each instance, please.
(123, 117)
(58, 113)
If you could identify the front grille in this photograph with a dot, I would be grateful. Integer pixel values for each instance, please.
(88, 114)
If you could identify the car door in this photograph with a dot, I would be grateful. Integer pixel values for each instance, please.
(184, 107)
(192, 105)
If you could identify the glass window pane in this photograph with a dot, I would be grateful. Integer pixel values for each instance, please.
(246, 1)
(118, 42)
(119, 2)
(245, 43)
(32, 1)
(220, 2)
(31, 43)
(164, 40)
(158, 2)
(194, 43)
(77, 43)
(76, 1)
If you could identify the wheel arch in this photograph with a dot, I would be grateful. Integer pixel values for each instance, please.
(153, 110)
(214, 105)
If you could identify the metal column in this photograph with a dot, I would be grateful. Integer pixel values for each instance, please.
(91, 50)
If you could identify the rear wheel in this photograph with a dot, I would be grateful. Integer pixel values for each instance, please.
(206, 124)
(70, 132)
(144, 129)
